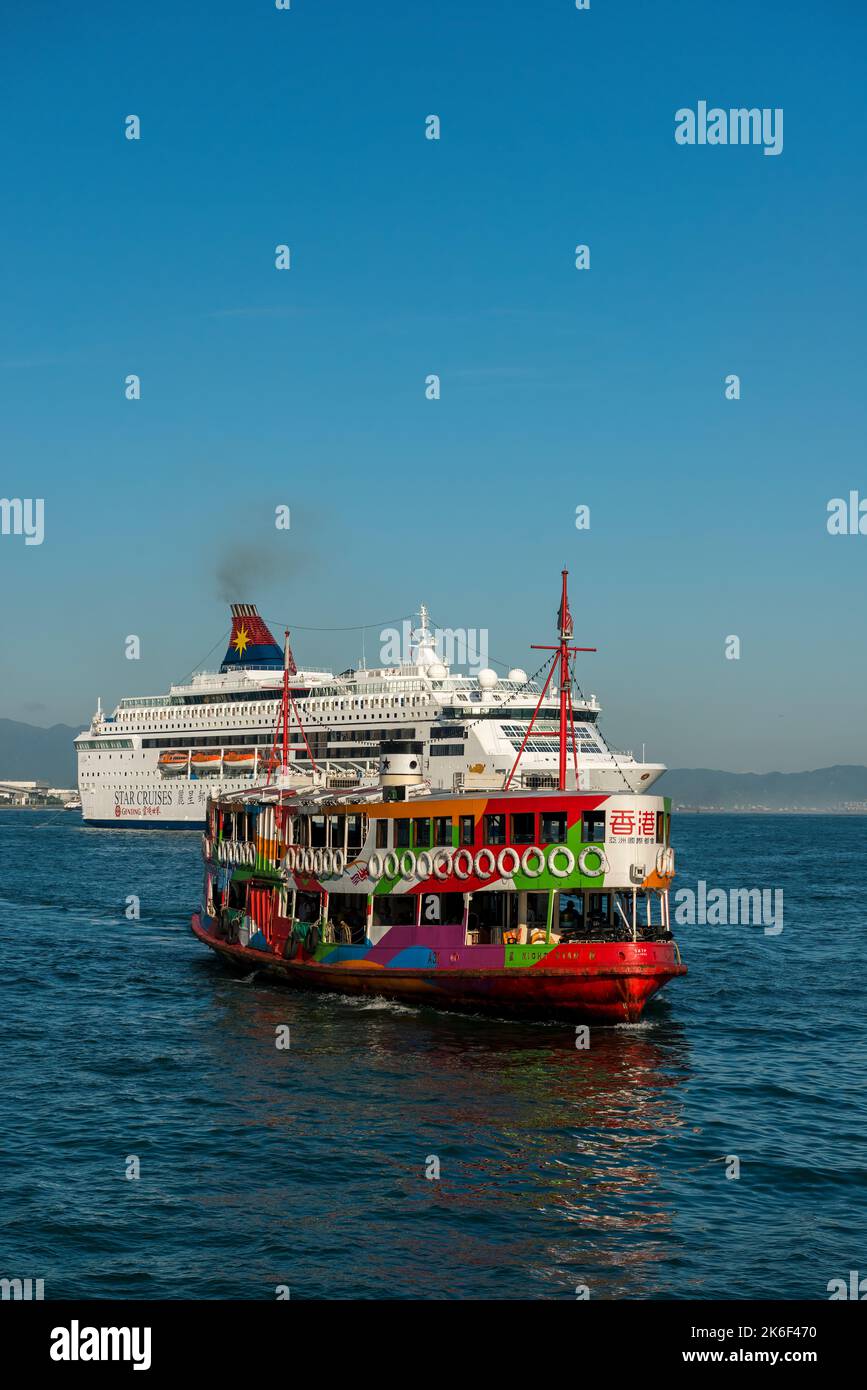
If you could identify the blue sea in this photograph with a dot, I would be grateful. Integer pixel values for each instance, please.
(306, 1168)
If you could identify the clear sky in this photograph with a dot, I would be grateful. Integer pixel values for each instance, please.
(410, 256)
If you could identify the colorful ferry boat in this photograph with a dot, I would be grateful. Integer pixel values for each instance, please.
(545, 903)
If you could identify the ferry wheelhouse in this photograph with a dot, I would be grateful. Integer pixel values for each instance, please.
(544, 903)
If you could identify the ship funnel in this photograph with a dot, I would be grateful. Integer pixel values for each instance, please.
(399, 767)
(251, 645)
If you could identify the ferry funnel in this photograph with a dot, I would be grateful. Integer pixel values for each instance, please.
(251, 645)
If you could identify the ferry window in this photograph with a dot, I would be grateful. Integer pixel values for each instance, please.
(335, 831)
(593, 826)
(495, 830)
(443, 830)
(468, 830)
(553, 827)
(443, 908)
(597, 909)
(421, 832)
(382, 834)
(401, 833)
(395, 910)
(317, 832)
(660, 827)
(571, 914)
(537, 912)
(353, 832)
(524, 828)
(490, 915)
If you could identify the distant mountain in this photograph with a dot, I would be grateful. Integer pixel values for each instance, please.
(29, 753)
(826, 789)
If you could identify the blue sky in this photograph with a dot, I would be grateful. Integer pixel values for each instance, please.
(410, 257)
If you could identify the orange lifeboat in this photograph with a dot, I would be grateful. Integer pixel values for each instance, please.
(205, 762)
(236, 761)
(172, 764)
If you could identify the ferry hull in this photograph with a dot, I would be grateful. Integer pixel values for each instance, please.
(612, 988)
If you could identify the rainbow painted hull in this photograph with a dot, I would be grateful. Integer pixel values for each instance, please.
(606, 982)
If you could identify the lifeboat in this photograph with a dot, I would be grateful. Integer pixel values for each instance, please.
(205, 762)
(239, 761)
(172, 764)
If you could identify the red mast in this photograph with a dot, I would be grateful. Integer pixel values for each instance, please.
(288, 699)
(562, 650)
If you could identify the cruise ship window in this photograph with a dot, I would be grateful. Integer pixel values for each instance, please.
(495, 830)
(554, 827)
(382, 834)
(401, 833)
(467, 830)
(593, 826)
(524, 828)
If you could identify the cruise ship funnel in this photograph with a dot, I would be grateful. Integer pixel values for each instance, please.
(251, 645)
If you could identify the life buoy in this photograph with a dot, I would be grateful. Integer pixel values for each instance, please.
(501, 862)
(410, 871)
(317, 863)
(374, 865)
(660, 860)
(338, 862)
(669, 860)
(570, 861)
(424, 864)
(442, 863)
(582, 861)
(490, 859)
(525, 862)
(391, 867)
(307, 865)
(328, 862)
(468, 860)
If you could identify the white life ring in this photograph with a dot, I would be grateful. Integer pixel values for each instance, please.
(490, 859)
(407, 859)
(660, 860)
(305, 861)
(603, 862)
(328, 862)
(525, 862)
(501, 862)
(338, 862)
(424, 864)
(569, 867)
(391, 866)
(442, 863)
(374, 865)
(317, 863)
(463, 873)
(669, 860)
(251, 853)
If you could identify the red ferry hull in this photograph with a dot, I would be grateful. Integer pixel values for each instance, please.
(612, 988)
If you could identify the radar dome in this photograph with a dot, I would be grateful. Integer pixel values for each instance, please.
(437, 671)
(487, 679)
(518, 676)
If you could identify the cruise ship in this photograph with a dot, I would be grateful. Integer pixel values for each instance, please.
(154, 762)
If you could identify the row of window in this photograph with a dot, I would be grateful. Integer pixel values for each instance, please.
(520, 828)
